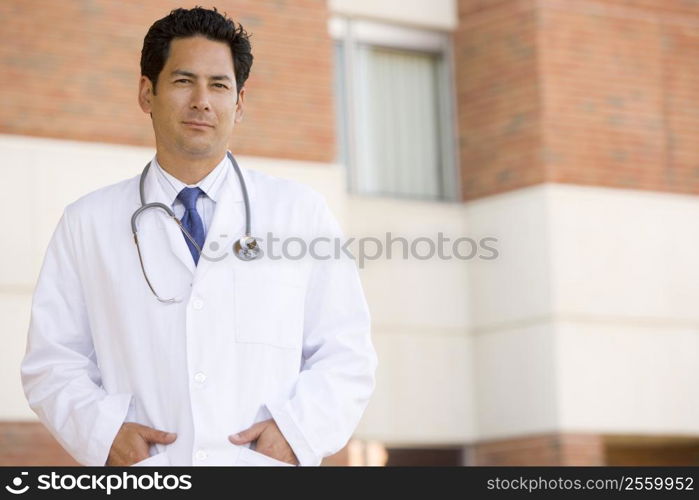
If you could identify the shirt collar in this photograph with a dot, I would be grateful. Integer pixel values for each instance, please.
(210, 184)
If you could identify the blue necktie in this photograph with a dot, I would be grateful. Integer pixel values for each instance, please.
(191, 220)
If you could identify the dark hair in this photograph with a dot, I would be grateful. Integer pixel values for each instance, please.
(183, 23)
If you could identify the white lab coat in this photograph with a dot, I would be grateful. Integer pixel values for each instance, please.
(287, 339)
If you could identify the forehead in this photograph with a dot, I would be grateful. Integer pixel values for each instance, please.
(200, 54)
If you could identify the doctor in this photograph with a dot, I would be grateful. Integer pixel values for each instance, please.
(177, 351)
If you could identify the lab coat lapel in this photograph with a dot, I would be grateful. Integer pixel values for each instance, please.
(227, 226)
(176, 238)
(178, 245)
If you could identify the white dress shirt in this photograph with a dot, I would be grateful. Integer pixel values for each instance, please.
(210, 185)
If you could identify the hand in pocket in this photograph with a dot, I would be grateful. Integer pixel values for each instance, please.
(132, 443)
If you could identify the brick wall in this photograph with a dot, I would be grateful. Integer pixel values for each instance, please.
(499, 109)
(642, 456)
(586, 450)
(71, 70)
(592, 92)
(30, 444)
(540, 450)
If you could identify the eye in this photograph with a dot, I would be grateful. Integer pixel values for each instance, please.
(220, 85)
(185, 80)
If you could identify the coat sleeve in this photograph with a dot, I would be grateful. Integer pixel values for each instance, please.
(60, 375)
(337, 375)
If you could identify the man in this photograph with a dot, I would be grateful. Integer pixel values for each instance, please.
(262, 362)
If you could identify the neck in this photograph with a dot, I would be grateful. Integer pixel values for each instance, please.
(188, 170)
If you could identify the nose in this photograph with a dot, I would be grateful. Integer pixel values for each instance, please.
(200, 99)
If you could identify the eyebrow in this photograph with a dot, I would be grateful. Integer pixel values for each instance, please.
(192, 75)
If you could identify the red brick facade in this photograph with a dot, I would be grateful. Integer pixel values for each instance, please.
(498, 96)
(593, 92)
(30, 444)
(568, 449)
(71, 70)
(542, 450)
(602, 93)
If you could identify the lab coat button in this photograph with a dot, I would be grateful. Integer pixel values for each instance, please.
(197, 304)
(200, 377)
(201, 455)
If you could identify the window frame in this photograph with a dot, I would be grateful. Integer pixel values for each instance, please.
(349, 35)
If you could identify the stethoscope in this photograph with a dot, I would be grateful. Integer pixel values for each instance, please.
(245, 248)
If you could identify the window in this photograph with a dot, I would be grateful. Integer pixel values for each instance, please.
(394, 110)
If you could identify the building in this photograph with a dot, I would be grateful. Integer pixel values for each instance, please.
(564, 129)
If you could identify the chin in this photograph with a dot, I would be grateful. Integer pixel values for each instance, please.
(197, 148)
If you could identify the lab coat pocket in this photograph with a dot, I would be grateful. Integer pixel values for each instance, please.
(252, 458)
(269, 307)
(157, 460)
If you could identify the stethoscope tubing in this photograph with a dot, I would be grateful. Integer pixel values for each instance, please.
(246, 247)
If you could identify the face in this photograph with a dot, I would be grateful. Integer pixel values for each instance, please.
(194, 110)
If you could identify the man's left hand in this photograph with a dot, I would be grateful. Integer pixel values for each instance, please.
(270, 441)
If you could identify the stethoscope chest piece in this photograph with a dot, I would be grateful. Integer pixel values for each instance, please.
(246, 248)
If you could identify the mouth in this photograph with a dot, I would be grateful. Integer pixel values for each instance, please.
(198, 125)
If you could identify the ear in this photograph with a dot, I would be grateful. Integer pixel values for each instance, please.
(145, 94)
(240, 106)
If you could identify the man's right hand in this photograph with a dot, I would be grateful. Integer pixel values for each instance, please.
(132, 444)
